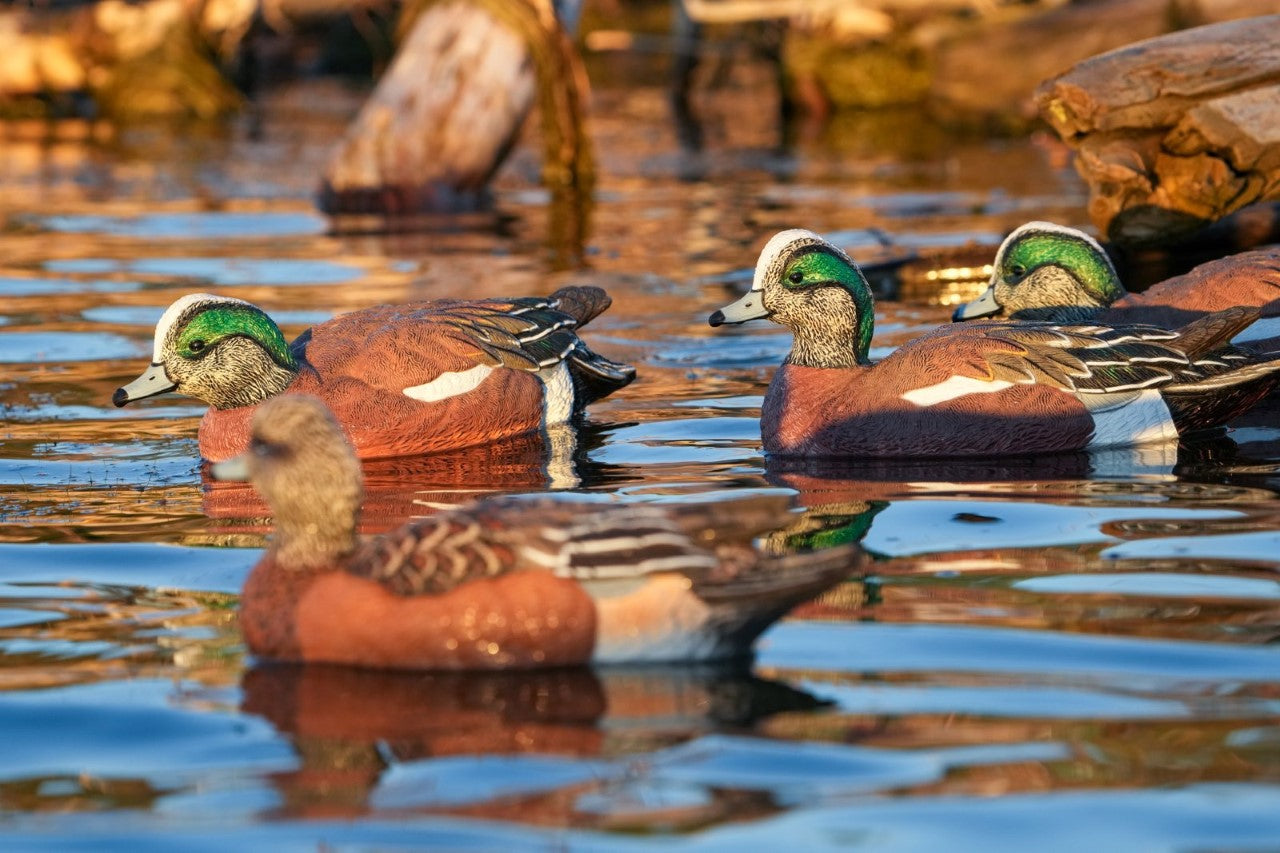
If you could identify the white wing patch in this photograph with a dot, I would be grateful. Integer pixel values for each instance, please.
(448, 385)
(956, 386)
(176, 310)
(1144, 420)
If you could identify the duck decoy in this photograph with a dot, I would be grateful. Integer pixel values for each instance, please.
(1051, 273)
(979, 389)
(401, 379)
(505, 582)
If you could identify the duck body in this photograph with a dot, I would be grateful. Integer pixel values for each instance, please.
(1249, 279)
(361, 365)
(867, 411)
(335, 616)
(474, 589)
(1048, 272)
(506, 582)
(401, 379)
(980, 389)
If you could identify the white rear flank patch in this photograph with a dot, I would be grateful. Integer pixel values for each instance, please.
(1267, 327)
(956, 386)
(176, 310)
(448, 385)
(557, 393)
(1142, 421)
(658, 620)
(679, 643)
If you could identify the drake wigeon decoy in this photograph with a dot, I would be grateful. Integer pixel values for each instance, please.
(979, 389)
(1052, 273)
(506, 582)
(401, 379)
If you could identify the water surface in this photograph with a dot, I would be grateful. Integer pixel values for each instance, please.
(1061, 652)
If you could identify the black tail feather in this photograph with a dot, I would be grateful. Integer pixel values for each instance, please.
(1220, 386)
(1213, 331)
(582, 302)
(595, 376)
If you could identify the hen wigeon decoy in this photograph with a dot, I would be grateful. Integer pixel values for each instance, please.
(401, 379)
(979, 389)
(506, 582)
(1049, 272)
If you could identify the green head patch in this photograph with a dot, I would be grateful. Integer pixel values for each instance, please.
(1070, 250)
(821, 266)
(834, 528)
(214, 324)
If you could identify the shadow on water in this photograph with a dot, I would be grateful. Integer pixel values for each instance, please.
(364, 738)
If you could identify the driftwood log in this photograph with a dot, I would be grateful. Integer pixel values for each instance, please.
(448, 109)
(1176, 132)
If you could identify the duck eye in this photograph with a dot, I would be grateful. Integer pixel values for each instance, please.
(197, 345)
(1018, 270)
(796, 277)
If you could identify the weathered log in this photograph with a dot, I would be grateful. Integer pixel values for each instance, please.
(448, 109)
(1176, 132)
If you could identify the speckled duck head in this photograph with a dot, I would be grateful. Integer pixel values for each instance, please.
(1046, 272)
(814, 289)
(224, 351)
(300, 462)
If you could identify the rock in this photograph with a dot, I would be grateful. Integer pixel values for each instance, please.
(1176, 132)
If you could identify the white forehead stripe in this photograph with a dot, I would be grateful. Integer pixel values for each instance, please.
(176, 310)
(1054, 228)
(778, 242)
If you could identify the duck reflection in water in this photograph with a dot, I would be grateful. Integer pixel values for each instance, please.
(1000, 518)
(1080, 476)
(400, 488)
(351, 726)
